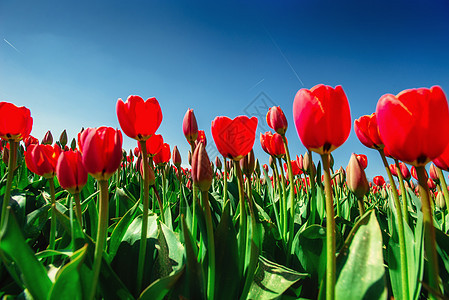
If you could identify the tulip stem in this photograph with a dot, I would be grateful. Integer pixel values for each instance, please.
(401, 228)
(78, 211)
(194, 199)
(210, 247)
(291, 225)
(361, 206)
(101, 234)
(429, 230)
(225, 183)
(242, 219)
(403, 191)
(444, 188)
(11, 167)
(330, 231)
(144, 229)
(53, 214)
(284, 202)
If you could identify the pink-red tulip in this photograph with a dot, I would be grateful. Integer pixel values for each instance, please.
(234, 138)
(202, 173)
(102, 151)
(42, 159)
(190, 126)
(15, 122)
(379, 180)
(72, 175)
(367, 131)
(356, 178)
(277, 120)
(139, 119)
(163, 156)
(414, 125)
(322, 117)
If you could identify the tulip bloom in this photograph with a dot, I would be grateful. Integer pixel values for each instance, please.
(234, 138)
(15, 122)
(72, 175)
(277, 120)
(30, 140)
(163, 156)
(322, 118)
(413, 123)
(42, 159)
(190, 126)
(363, 160)
(367, 131)
(154, 145)
(379, 180)
(201, 138)
(272, 144)
(139, 119)
(176, 156)
(442, 161)
(102, 151)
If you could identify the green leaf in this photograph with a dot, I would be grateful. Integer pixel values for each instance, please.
(68, 284)
(159, 288)
(13, 244)
(360, 270)
(227, 274)
(272, 280)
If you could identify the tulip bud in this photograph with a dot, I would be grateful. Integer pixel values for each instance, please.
(404, 171)
(189, 157)
(257, 169)
(341, 176)
(73, 144)
(271, 161)
(431, 184)
(265, 167)
(63, 139)
(190, 126)
(300, 162)
(439, 201)
(433, 172)
(356, 178)
(5, 156)
(176, 157)
(247, 164)
(412, 184)
(201, 171)
(277, 120)
(306, 162)
(218, 163)
(48, 139)
(393, 170)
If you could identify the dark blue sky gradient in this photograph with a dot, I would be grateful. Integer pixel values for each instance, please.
(70, 61)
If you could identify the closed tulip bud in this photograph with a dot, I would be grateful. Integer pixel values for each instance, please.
(218, 163)
(190, 126)
(277, 120)
(202, 173)
(271, 161)
(257, 169)
(247, 164)
(433, 172)
(300, 162)
(341, 176)
(136, 152)
(63, 138)
(48, 139)
(265, 167)
(73, 144)
(356, 178)
(431, 184)
(176, 157)
(439, 201)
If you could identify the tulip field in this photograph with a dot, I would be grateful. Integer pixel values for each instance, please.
(81, 218)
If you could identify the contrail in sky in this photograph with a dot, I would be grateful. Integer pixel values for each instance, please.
(260, 81)
(283, 55)
(6, 41)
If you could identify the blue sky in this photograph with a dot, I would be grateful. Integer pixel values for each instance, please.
(69, 62)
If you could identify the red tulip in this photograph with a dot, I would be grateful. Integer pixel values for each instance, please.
(201, 138)
(163, 156)
(379, 180)
(356, 178)
(442, 161)
(272, 143)
(139, 119)
(30, 140)
(363, 160)
(393, 170)
(190, 126)
(154, 144)
(431, 184)
(404, 171)
(322, 118)
(413, 123)
(433, 172)
(176, 156)
(15, 122)
(218, 163)
(367, 131)
(414, 173)
(72, 175)
(234, 138)
(277, 120)
(42, 159)
(102, 151)
(202, 173)
(300, 162)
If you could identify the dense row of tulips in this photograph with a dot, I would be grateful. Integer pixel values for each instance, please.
(228, 230)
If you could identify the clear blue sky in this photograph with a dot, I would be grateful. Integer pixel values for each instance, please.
(69, 61)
